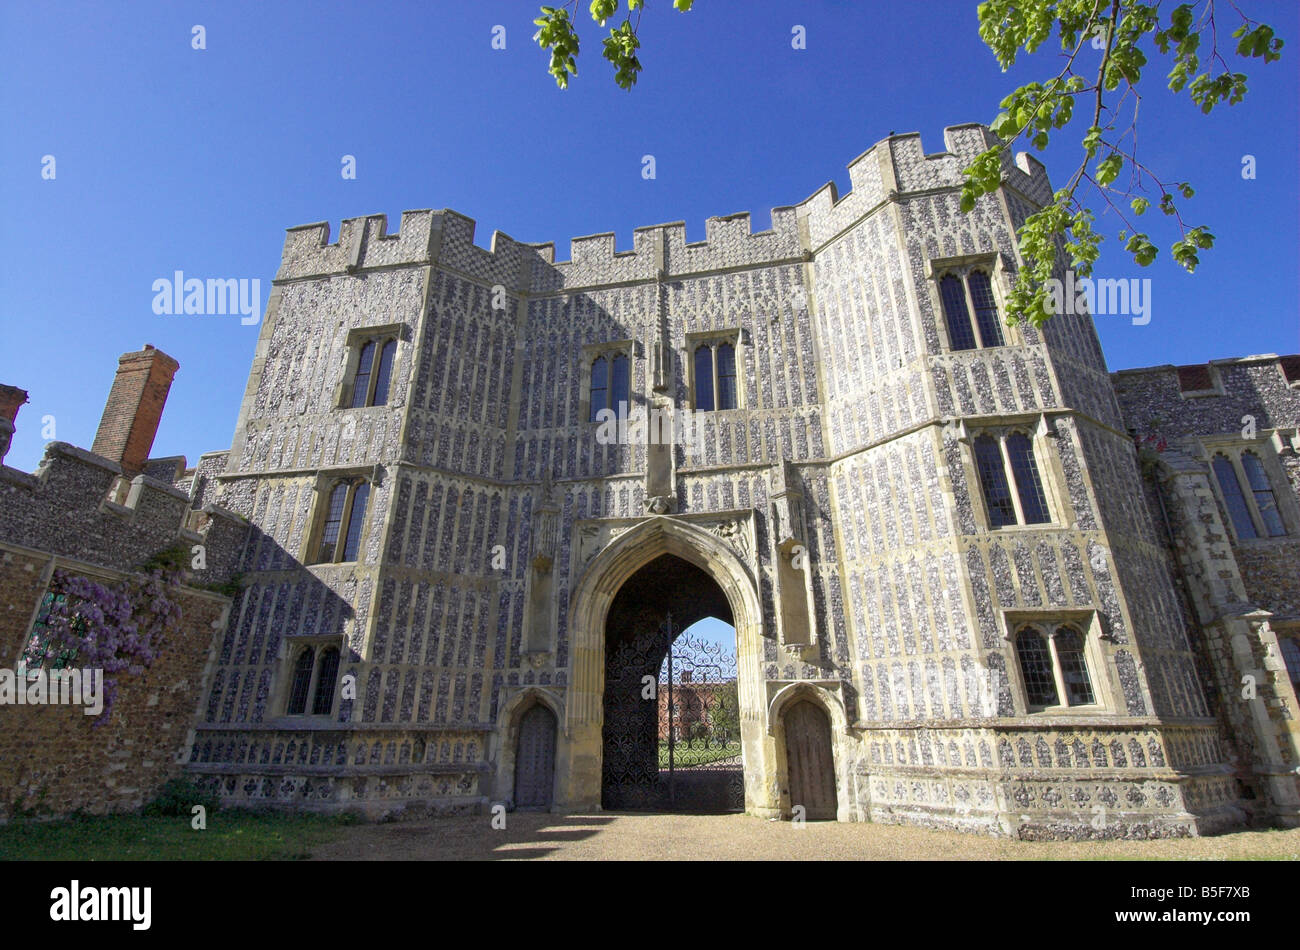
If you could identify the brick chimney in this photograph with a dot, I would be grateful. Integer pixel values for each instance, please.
(134, 408)
(11, 397)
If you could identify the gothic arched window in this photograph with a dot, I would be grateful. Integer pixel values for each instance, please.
(986, 308)
(715, 377)
(1009, 478)
(963, 293)
(954, 310)
(610, 385)
(993, 479)
(326, 678)
(1233, 497)
(1262, 491)
(1054, 665)
(1036, 667)
(370, 383)
(345, 515)
(314, 676)
(300, 685)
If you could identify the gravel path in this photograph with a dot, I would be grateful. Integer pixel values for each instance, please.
(625, 836)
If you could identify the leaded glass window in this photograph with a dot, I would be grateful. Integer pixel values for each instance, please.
(986, 308)
(1074, 671)
(715, 368)
(385, 374)
(345, 516)
(1009, 479)
(1033, 504)
(704, 378)
(301, 682)
(1233, 497)
(356, 518)
(333, 521)
(599, 386)
(1054, 666)
(963, 294)
(361, 382)
(374, 374)
(993, 479)
(1265, 502)
(41, 650)
(1036, 667)
(326, 678)
(954, 310)
(726, 376)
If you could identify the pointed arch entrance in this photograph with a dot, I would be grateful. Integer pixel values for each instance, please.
(671, 737)
(730, 593)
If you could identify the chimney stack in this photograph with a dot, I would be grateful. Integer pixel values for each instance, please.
(11, 397)
(134, 408)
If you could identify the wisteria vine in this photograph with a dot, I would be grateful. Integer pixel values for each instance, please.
(119, 628)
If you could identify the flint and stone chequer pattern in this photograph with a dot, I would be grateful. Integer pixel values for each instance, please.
(846, 376)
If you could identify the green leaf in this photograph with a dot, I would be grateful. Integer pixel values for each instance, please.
(1108, 168)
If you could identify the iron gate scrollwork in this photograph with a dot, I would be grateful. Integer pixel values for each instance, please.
(672, 741)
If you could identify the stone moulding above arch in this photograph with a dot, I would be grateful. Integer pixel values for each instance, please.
(825, 693)
(735, 528)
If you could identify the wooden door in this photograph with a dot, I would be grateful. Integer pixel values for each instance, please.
(535, 758)
(809, 760)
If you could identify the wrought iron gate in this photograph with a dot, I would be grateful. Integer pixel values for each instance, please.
(672, 742)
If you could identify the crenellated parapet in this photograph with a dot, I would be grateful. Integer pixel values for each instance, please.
(79, 505)
(895, 166)
(898, 165)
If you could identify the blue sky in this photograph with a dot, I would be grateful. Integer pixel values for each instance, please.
(170, 158)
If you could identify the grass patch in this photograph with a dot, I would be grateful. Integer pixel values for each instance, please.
(230, 836)
(685, 754)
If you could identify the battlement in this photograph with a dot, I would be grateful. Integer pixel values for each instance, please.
(894, 166)
(79, 505)
(898, 165)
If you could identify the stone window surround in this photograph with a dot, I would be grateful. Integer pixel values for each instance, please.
(1039, 429)
(357, 338)
(1263, 446)
(992, 263)
(713, 338)
(323, 485)
(291, 648)
(1088, 624)
(590, 353)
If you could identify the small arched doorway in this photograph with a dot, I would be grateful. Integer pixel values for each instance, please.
(535, 759)
(810, 761)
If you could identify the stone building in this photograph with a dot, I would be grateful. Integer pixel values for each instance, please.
(961, 596)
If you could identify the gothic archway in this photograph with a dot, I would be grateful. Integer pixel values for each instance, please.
(671, 736)
(580, 765)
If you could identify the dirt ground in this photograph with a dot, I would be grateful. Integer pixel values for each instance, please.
(625, 836)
